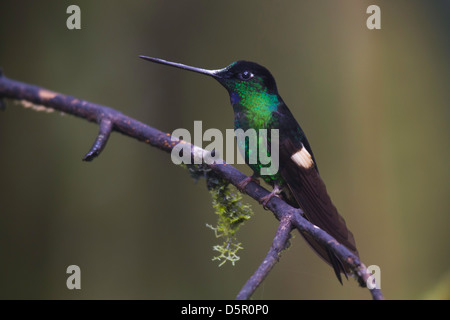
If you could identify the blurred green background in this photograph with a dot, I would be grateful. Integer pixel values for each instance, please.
(374, 104)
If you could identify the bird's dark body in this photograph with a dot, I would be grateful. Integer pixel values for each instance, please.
(303, 187)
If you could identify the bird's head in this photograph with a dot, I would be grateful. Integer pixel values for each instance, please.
(246, 82)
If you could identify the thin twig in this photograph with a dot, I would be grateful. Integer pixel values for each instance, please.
(112, 120)
(278, 245)
(106, 126)
(358, 268)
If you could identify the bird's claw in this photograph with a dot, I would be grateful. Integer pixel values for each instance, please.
(241, 186)
(265, 200)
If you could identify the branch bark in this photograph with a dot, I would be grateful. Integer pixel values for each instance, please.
(112, 120)
(278, 245)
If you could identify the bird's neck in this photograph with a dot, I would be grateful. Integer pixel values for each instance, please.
(254, 108)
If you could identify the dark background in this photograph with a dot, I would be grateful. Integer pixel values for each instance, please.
(374, 104)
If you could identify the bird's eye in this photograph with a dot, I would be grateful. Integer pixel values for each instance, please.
(246, 75)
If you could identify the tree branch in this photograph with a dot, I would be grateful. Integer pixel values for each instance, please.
(112, 120)
(278, 245)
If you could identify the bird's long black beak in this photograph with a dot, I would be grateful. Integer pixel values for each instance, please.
(213, 73)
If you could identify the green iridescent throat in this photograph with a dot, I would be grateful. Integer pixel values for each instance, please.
(253, 99)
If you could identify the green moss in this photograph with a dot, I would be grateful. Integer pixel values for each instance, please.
(231, 212)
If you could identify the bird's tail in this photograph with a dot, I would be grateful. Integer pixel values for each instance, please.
(310, 193)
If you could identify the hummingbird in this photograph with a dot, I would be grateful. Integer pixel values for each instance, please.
(258, 105)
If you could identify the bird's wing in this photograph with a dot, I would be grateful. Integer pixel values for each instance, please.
(298, 169)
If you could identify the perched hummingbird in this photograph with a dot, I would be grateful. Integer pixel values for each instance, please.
(257, 104)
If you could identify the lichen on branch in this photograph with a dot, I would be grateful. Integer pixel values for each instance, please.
(232, 212)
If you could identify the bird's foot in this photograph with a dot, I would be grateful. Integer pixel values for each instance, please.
(241, 186)
(275, 193)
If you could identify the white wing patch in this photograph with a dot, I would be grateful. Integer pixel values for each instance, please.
(302, 158)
